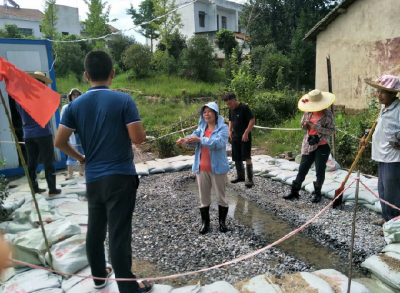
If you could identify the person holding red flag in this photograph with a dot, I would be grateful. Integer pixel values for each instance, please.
(39, 142)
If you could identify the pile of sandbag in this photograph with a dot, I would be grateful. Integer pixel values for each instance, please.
(156, 166)
(386, 265)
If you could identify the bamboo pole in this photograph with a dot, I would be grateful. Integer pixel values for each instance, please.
(27, 176)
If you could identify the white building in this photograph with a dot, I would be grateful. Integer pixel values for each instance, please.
(27, 20)
(208, 17)
(68, 20)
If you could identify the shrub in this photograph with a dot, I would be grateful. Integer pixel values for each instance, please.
(69, 58)
(226, 41)
(137, 58)
(165, 146)
(117, 46)
(199, 59)
(11, 31)
(177, 43)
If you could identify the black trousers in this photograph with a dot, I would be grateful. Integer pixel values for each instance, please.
(112, 200)
(320, 156)
(43, 147)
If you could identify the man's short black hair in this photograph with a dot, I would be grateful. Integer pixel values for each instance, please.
(98, 64)
(229, 97)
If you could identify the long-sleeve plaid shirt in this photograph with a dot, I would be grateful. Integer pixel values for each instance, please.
(325, 128)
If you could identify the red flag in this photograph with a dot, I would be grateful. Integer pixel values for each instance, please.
(36, 98)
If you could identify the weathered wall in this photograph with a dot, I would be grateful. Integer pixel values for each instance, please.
(362, 43)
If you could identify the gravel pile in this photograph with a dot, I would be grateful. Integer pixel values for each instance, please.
(332, 229)
(165, 233)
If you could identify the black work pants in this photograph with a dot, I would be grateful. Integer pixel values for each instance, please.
(320, 156)
(43, 147)
(112, 200)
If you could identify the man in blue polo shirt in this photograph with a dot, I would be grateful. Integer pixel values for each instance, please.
(107, 122)
(39, 141)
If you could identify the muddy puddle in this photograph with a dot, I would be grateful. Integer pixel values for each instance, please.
(272, 228)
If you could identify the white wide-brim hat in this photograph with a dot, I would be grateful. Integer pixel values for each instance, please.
(316, 101)
(41, 76)
(389, 83)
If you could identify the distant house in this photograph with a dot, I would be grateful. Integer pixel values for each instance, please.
(363, 41)
(112, 29)
(207, 18)
(27, 20)
(68, 20)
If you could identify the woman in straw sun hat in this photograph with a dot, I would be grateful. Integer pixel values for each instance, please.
(385, 140)
(319, 124)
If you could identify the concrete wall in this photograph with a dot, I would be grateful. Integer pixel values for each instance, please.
(23, 23)
(362, 43)
(68, 20)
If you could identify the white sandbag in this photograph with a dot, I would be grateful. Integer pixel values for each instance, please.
(65, 195)
(353, 176)
(274, 173)
(10, 272)
(279, 162)
(31, 281)
(69, 256)
(391, 231)
(339, 281)
(331, 164)
(316, 283)
(308, 180)
(14, 201)
(172, 159)
(376, 207)
(50, 290)
(375, 285)
(155, 167)
(15, 227)
(395, 247)
(371, 183)
(180, 165)
(290, 166)
(285, 175)
(166, 166)
(260, 284)
(363, 195)
(386, 267)
(261, 158)
(59, 201)
(258, 167)
(188, 289)
(142, 169)
(270, 168)
(73, 208)
(67, 284)
(79, 189)
(218, 287)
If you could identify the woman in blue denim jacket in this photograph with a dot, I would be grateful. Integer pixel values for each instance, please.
(211, 162)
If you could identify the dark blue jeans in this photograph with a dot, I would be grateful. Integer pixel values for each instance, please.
(389, 188)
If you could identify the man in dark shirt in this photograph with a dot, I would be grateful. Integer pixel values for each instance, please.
(242, 121)
(107, 122)
(39, 141)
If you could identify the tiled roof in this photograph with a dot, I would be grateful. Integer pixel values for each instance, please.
(113, 29)
(21, 12)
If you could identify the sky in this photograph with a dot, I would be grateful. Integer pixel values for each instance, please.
(118, 10)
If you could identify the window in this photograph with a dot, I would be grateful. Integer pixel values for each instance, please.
(223, 22)
(202, 18)
(27, 32)
(217, 22)
(65, 33)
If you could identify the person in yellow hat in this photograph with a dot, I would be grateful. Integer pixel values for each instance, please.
(319, 124)
(39, 142)
(386, 145)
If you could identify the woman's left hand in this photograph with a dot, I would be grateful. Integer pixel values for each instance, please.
(312, 125)
(193, 139)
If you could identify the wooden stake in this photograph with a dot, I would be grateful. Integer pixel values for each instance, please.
(353, 232)
(27, 176)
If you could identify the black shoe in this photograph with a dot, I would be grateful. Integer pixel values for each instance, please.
(40, 190)
(240, 173)
(249, 183)
(223, 212)
(205, 220)
(54, 192)
(317, 193)
(296, 186)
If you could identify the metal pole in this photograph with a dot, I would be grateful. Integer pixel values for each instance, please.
(353, 231)
(27, 176)
(328, 61)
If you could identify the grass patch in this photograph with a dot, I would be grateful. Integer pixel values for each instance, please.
(174, 87)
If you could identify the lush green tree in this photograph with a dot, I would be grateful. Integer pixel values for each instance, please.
(145, 14)
(70, 59)
(177, 44)
(50, 19)
(158, 60)
(97, 21)
(226, 41)
(137, 58)
(10, 31)
(199, 59)
(117, 46)
(169, 20)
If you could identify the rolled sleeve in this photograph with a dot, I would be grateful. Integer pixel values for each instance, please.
(131, 113)
(67, 119)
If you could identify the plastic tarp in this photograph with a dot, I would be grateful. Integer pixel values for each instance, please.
(386, 267)
(142, 169)
(155, 167)
(69, 256)
(339, 281)
(391, 231)
(31, 281)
